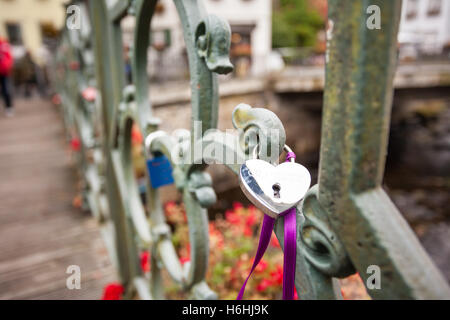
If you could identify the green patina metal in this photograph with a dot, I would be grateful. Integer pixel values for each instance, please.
(349, 223)
(357, 107)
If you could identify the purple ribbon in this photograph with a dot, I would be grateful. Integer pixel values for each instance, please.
(290, 248)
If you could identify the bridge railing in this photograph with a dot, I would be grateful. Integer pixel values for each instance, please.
(350, 224)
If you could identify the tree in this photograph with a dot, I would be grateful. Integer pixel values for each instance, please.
(295, 23)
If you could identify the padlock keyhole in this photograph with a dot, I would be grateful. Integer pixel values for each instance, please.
(276, 190)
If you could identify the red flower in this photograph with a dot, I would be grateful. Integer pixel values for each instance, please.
(252, 217)
(145, 261)
(261, 267)
(237, 205)
(170, 205)
(75, 144)
(295, 294)
(263, 285)
(274, 241)
(277, 275)
(89, 94)
(185, 254)
(215, 236)
(136, 135)
(232, 217)
(248, 232)
(170, 208)
(343, 294)
(74, 65)
(113, 291)
(212, 227)
(236, 271)
(56, 99)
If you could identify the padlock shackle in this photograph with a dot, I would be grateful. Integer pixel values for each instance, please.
(286, 148)
(150, 138)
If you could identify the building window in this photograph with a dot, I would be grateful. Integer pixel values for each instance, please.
(241, 49)
(434, 7)
(161, 39)
(411, 9)
(49, 33)
(14, 33)
(159, 9)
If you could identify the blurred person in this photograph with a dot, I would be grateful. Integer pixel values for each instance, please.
(127, 62)
(42, 81)
(18, 52)
(6, 62)
(26, 73)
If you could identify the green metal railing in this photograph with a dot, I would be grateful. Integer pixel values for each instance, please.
(350, 222)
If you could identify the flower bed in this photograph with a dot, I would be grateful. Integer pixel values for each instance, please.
(233, 242)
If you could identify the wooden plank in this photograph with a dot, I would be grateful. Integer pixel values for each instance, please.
(41, 234)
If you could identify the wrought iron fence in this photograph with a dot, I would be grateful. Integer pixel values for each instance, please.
(350, 222)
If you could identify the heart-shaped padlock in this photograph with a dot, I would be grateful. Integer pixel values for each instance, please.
(274, 189)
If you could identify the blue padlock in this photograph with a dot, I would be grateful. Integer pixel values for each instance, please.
(160, 171)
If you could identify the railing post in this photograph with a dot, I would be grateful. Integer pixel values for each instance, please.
(356, 115)
(109, 76)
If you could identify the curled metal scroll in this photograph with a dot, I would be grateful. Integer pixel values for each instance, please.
(320, 244)
(259, 126)
(212, 38)
(133, 107)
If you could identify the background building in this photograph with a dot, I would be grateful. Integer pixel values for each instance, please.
(32, 24)
(250, 22)
(424, 28)
(29, 24)
(251, 27)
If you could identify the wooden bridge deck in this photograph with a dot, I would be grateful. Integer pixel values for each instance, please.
(41, 233)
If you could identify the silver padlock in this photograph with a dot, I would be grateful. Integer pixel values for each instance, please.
(274, 189)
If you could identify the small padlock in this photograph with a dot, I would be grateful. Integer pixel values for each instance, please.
(159, 168)
(274, 189)
(160, 171)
